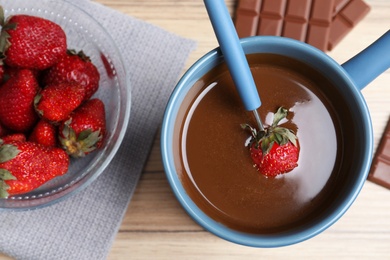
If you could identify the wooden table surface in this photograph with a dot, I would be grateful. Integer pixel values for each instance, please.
(155, 225)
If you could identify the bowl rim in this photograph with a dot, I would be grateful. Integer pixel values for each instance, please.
(215, 57)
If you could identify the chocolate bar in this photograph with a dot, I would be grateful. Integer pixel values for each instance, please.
(380, 168)
(338, 5)
(247, 18)
(320, 23)
(345, 20)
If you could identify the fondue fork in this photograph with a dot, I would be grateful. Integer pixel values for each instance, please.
(234, 56)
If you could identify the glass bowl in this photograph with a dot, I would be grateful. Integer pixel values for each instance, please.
(83, 33)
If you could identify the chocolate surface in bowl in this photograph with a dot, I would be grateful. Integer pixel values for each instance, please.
(213, 162)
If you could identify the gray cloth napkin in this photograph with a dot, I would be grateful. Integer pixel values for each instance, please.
(85, 225)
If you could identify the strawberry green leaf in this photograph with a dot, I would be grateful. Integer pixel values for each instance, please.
(4, 43)
(68, 132)
(78, 147)
(266, 146)
(81, 54)
(279, 115)
(278, 137)
(36, 102)
(4, 35)
(89, 139)
(292, 137)
(2, 16)
(84, 134)
(252, 130)
(5, 175)
(282, 132)
(3, 190)
(8, 152)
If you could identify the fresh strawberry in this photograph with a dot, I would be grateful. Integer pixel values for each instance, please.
(31, 42)
(44, 133)
(276, 150)
(10, 72)
(56, 102)
(14, 137)
(85, 129)
(74, 67)
(18, 177)
(17, 101)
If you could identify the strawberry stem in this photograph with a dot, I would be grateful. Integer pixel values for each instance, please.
(272, 134)
(79, 146)
(279, 115)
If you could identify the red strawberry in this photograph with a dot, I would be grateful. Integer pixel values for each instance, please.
(17, 101)
(17, 176)
(75, 67)
(44, 133)
(32, 42)
(85, 129)
(14, 137)
(10, 72)
(56, 102)
(276, 150)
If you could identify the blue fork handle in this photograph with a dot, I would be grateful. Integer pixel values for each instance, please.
(233, 53)
(369, 63)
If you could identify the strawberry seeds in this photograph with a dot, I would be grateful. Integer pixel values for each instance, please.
(47, 109)
(276, 150)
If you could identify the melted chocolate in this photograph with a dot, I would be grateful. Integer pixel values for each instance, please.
(215, 166)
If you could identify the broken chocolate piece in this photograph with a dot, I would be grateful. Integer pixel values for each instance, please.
(380, 168)
(338, 5)
(304, 20)
(320, 23)
(346, 19)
